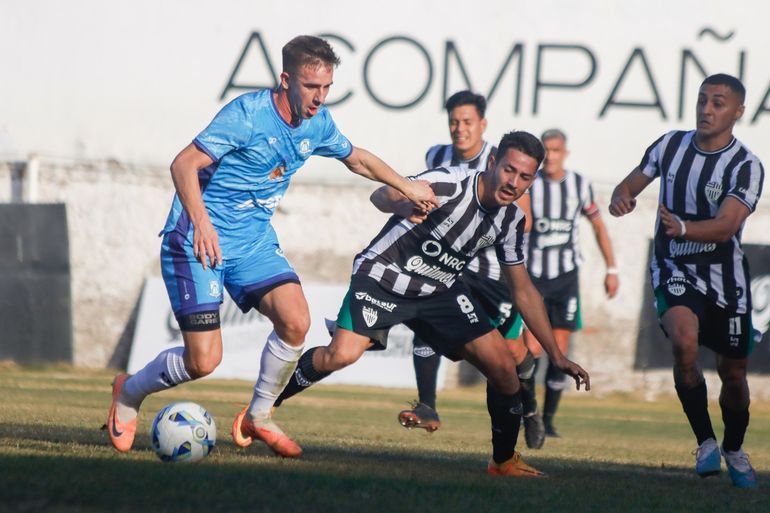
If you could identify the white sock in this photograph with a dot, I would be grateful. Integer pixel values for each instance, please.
(165, 371)
(277, 365)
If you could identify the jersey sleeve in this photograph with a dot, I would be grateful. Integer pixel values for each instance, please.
(444, 182)
(512, 249)
(333, 144)
(587, 204)
(230, 129)
(746, 184)
(430, 156)
(650, 164)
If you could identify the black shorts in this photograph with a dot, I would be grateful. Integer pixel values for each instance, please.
(726, 333)
(446, 321)
(495, 298)
(562, 301)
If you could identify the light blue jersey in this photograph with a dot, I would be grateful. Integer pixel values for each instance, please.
(255, 154)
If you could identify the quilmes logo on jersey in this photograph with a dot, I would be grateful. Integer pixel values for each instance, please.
(385, 305)
(676, 286)
(304, 146)
(713, 191)
(370, 315)
(678, 249)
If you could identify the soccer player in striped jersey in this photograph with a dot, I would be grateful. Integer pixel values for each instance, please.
(469, 151)
(229, 181)
(709, 184)
(409, 274)
(558, 197)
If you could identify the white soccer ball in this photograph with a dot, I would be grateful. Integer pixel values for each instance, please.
(183, 431)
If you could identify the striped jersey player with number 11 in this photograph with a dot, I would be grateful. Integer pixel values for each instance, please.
(409, 274)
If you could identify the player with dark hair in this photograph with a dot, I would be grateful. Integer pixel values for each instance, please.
(228, 182)
(558, 196)
(409, 274)
(709, 184)
(469, 151)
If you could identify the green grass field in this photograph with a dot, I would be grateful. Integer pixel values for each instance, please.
(618, 454)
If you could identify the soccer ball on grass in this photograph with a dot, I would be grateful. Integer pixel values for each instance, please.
(183, 431)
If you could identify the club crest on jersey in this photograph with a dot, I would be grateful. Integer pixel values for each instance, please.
(676, 286)
(304, 146)
(713, 191)
(484, 241)
(214, 288)
(370, 315)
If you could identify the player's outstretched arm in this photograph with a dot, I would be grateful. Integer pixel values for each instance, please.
(184, 172)
(372, 167)
(530, 305)
(390, 201)
(624, 196)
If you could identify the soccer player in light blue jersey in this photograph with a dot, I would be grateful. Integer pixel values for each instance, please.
(229, 181)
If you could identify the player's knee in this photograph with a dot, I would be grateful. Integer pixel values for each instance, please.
(340, 357)
(203, 365)
(293, 330)
(733, 377)
(503, 378)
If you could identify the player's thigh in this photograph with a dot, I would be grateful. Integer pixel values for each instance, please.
(370, 311)
(449, 320)
(490, 354)
(562, 337)
(532, 344)
(517, 348)
(195, 293)
(680, 310)
(287, 309)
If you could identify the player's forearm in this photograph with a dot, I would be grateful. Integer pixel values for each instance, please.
(603, 240)
(370, 166)
(189, 192)
(711, 230)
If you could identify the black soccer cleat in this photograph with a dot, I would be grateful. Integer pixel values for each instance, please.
(420, 416)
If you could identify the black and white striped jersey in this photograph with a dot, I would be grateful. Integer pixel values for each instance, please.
(693, 185)
(415, 260)
(443, 155)
(485, 263)
(553, 241)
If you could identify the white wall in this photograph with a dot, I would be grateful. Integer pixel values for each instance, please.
(135, 81)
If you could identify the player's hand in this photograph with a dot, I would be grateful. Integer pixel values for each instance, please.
(577, 372)
(420, 193)
(611, 284)
(418, 215)
(206, 244)
(672, 224)
(621, 204)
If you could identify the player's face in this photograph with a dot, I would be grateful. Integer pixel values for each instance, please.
(466, 128)
(307, 88)
(510, 177)
(555, 154)
(718, 108)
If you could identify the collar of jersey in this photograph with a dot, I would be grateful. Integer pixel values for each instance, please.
(704, 152)
(481, 151)
(476, 198)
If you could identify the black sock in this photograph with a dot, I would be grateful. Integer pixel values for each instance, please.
(303, 377)
(526, 372)
(554, 384)
(426, 372)
(505, 412)
(695, 405)
(736, 423)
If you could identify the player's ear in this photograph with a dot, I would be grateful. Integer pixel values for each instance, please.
(739, 112)
(491, 163)
(483, 125)
(284, 77)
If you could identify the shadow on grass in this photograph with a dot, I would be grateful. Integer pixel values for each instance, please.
(76, 470)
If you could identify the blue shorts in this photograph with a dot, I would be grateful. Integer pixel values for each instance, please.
(248, 272)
